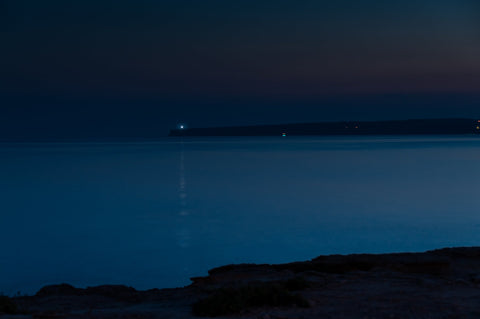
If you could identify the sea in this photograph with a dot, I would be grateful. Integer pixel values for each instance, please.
(153, 214)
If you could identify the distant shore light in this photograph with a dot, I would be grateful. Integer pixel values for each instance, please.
(284, 134)
(182, 126)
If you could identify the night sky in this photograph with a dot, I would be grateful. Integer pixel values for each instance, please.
(137, 68)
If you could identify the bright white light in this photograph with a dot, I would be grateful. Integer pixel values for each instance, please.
(182, 126)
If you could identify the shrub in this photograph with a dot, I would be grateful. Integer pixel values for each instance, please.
(297, 283)
(226, 301)
(7, 306)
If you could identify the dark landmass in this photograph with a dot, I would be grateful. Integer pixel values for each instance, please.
(400, 127)
(442, 283)
(79, 140)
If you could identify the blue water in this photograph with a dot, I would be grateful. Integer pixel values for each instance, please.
(155, 214)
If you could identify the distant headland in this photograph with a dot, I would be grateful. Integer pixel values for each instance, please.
(394, 127)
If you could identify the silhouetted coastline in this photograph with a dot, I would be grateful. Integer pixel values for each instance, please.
(396, 127)
(441, 283)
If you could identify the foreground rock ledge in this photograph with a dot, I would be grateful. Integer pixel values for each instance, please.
(442, 283)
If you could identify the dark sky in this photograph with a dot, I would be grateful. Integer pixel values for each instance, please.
(137, 68)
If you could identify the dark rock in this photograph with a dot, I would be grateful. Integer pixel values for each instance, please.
(435, 284)
(59, 290)
(117, 292)
(7, 306)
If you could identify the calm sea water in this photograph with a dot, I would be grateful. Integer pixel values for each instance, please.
(154, 214)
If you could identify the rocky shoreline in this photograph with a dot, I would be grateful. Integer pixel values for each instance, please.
(442, 283)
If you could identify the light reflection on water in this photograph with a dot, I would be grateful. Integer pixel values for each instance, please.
(154, 214)
(183, 233)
